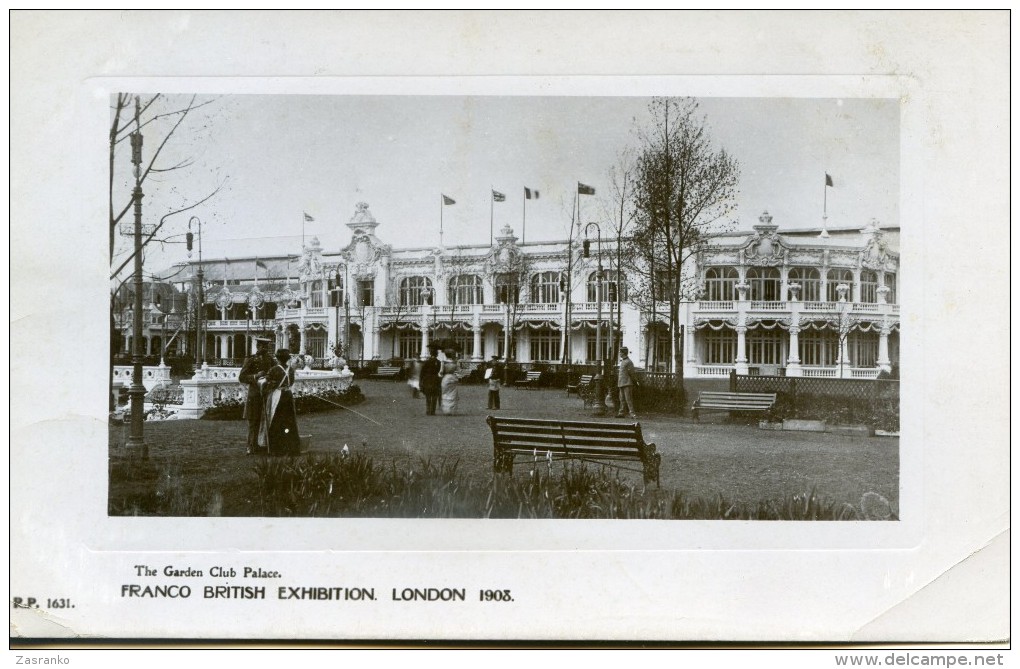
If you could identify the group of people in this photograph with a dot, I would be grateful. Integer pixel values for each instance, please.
(269, 407)
(438, 380)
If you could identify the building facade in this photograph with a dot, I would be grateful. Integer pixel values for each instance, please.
(799, 303)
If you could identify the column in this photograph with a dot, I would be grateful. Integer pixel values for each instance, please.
(883, 349)
(793, 358)
(376, 333)
(506, 337)
(425, 332)
(476, 330)
(784, 273)
(856, 293)
(741, 359)
(303, 336)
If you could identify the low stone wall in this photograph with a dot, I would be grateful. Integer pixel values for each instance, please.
(152, 376)
(212, 386)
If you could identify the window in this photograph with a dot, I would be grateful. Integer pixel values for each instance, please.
(508, 289)
(810, 283)
(545, 288)
(659, 349)
(410, 343)
(765, 347)
(719, 283)
(316, 295)
(862, 348)
(609, 290)
(411, 291)
(465, 289)
(869, 287)
(765, 283)
(818, 347)
(836, 277)
(315, 344)
(591, 351)
(464, 343)
(366, 293)
(720, 347)
(545, 345)
(890, 283)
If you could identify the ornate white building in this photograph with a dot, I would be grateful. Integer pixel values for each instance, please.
(795, 302)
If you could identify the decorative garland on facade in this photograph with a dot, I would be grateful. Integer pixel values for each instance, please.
(714, 324)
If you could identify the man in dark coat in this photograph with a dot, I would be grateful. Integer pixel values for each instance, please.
(255, 368)
(430, 381)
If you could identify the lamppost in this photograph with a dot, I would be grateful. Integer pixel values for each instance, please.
(137, 391)
(428, 296)
(598, 381)
(199, 336)
(337, 348)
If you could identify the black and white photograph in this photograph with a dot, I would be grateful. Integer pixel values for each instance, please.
(505, 307)
(443, 327)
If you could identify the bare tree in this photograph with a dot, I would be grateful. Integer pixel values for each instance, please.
(684, 193)
(161, 120)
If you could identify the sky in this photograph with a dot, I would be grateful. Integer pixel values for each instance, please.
(277, 157)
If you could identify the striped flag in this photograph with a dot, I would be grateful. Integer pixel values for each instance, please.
(828, 180)
(582, 189)
(448, 200)
(498, 197)
(530, 194)
(308, 218)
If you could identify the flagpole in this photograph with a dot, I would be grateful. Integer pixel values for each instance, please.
(825, 207)
(440, 219)
(303, 221)
(524, 215)
(492, 199)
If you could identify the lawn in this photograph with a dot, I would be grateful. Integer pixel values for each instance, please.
(203, 466)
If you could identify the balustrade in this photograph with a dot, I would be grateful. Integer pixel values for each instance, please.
(768, 306)
(719, 305)
(714, 370)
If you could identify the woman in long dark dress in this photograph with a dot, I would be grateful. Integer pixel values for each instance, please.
(279, 419)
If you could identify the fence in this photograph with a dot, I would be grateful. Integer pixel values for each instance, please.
(873, 402)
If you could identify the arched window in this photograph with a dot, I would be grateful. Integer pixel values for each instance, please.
(411, 291)
(316, 295)
(890, 283)
(869, 287)
(765, 283)
(834, 278)
(719, 283)
(545, 288)
(465, 289)
(508, 288)
(810, 283)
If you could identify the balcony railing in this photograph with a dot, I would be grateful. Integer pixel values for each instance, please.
(714, 370)
(768, 305)
(719, 305)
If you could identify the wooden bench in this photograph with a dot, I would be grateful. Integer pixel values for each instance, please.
(588, 441)
(386, 373)
(582, 382)
(530, 381)
(718, 401)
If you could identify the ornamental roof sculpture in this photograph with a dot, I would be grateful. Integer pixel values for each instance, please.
(765, 247)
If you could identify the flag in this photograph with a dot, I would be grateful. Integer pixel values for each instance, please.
(498, 197)
(530, 194)
(259, 263)
(828, 179)
(448, 200)
(308, 218)
(584, 190)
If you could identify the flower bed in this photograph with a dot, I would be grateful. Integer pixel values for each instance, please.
(232, 408)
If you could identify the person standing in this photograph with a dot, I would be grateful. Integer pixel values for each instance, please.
(430, 381)
(625, 384)
(493, 374)
(253, 370)
(450, 381)
(279, 433)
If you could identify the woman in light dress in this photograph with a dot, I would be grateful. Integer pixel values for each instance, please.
(449, 385)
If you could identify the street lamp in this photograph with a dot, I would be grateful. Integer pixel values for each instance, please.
(199, 338)
(137, 391)
(598, 381)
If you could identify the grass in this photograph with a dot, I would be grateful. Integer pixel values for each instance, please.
(417, 466)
